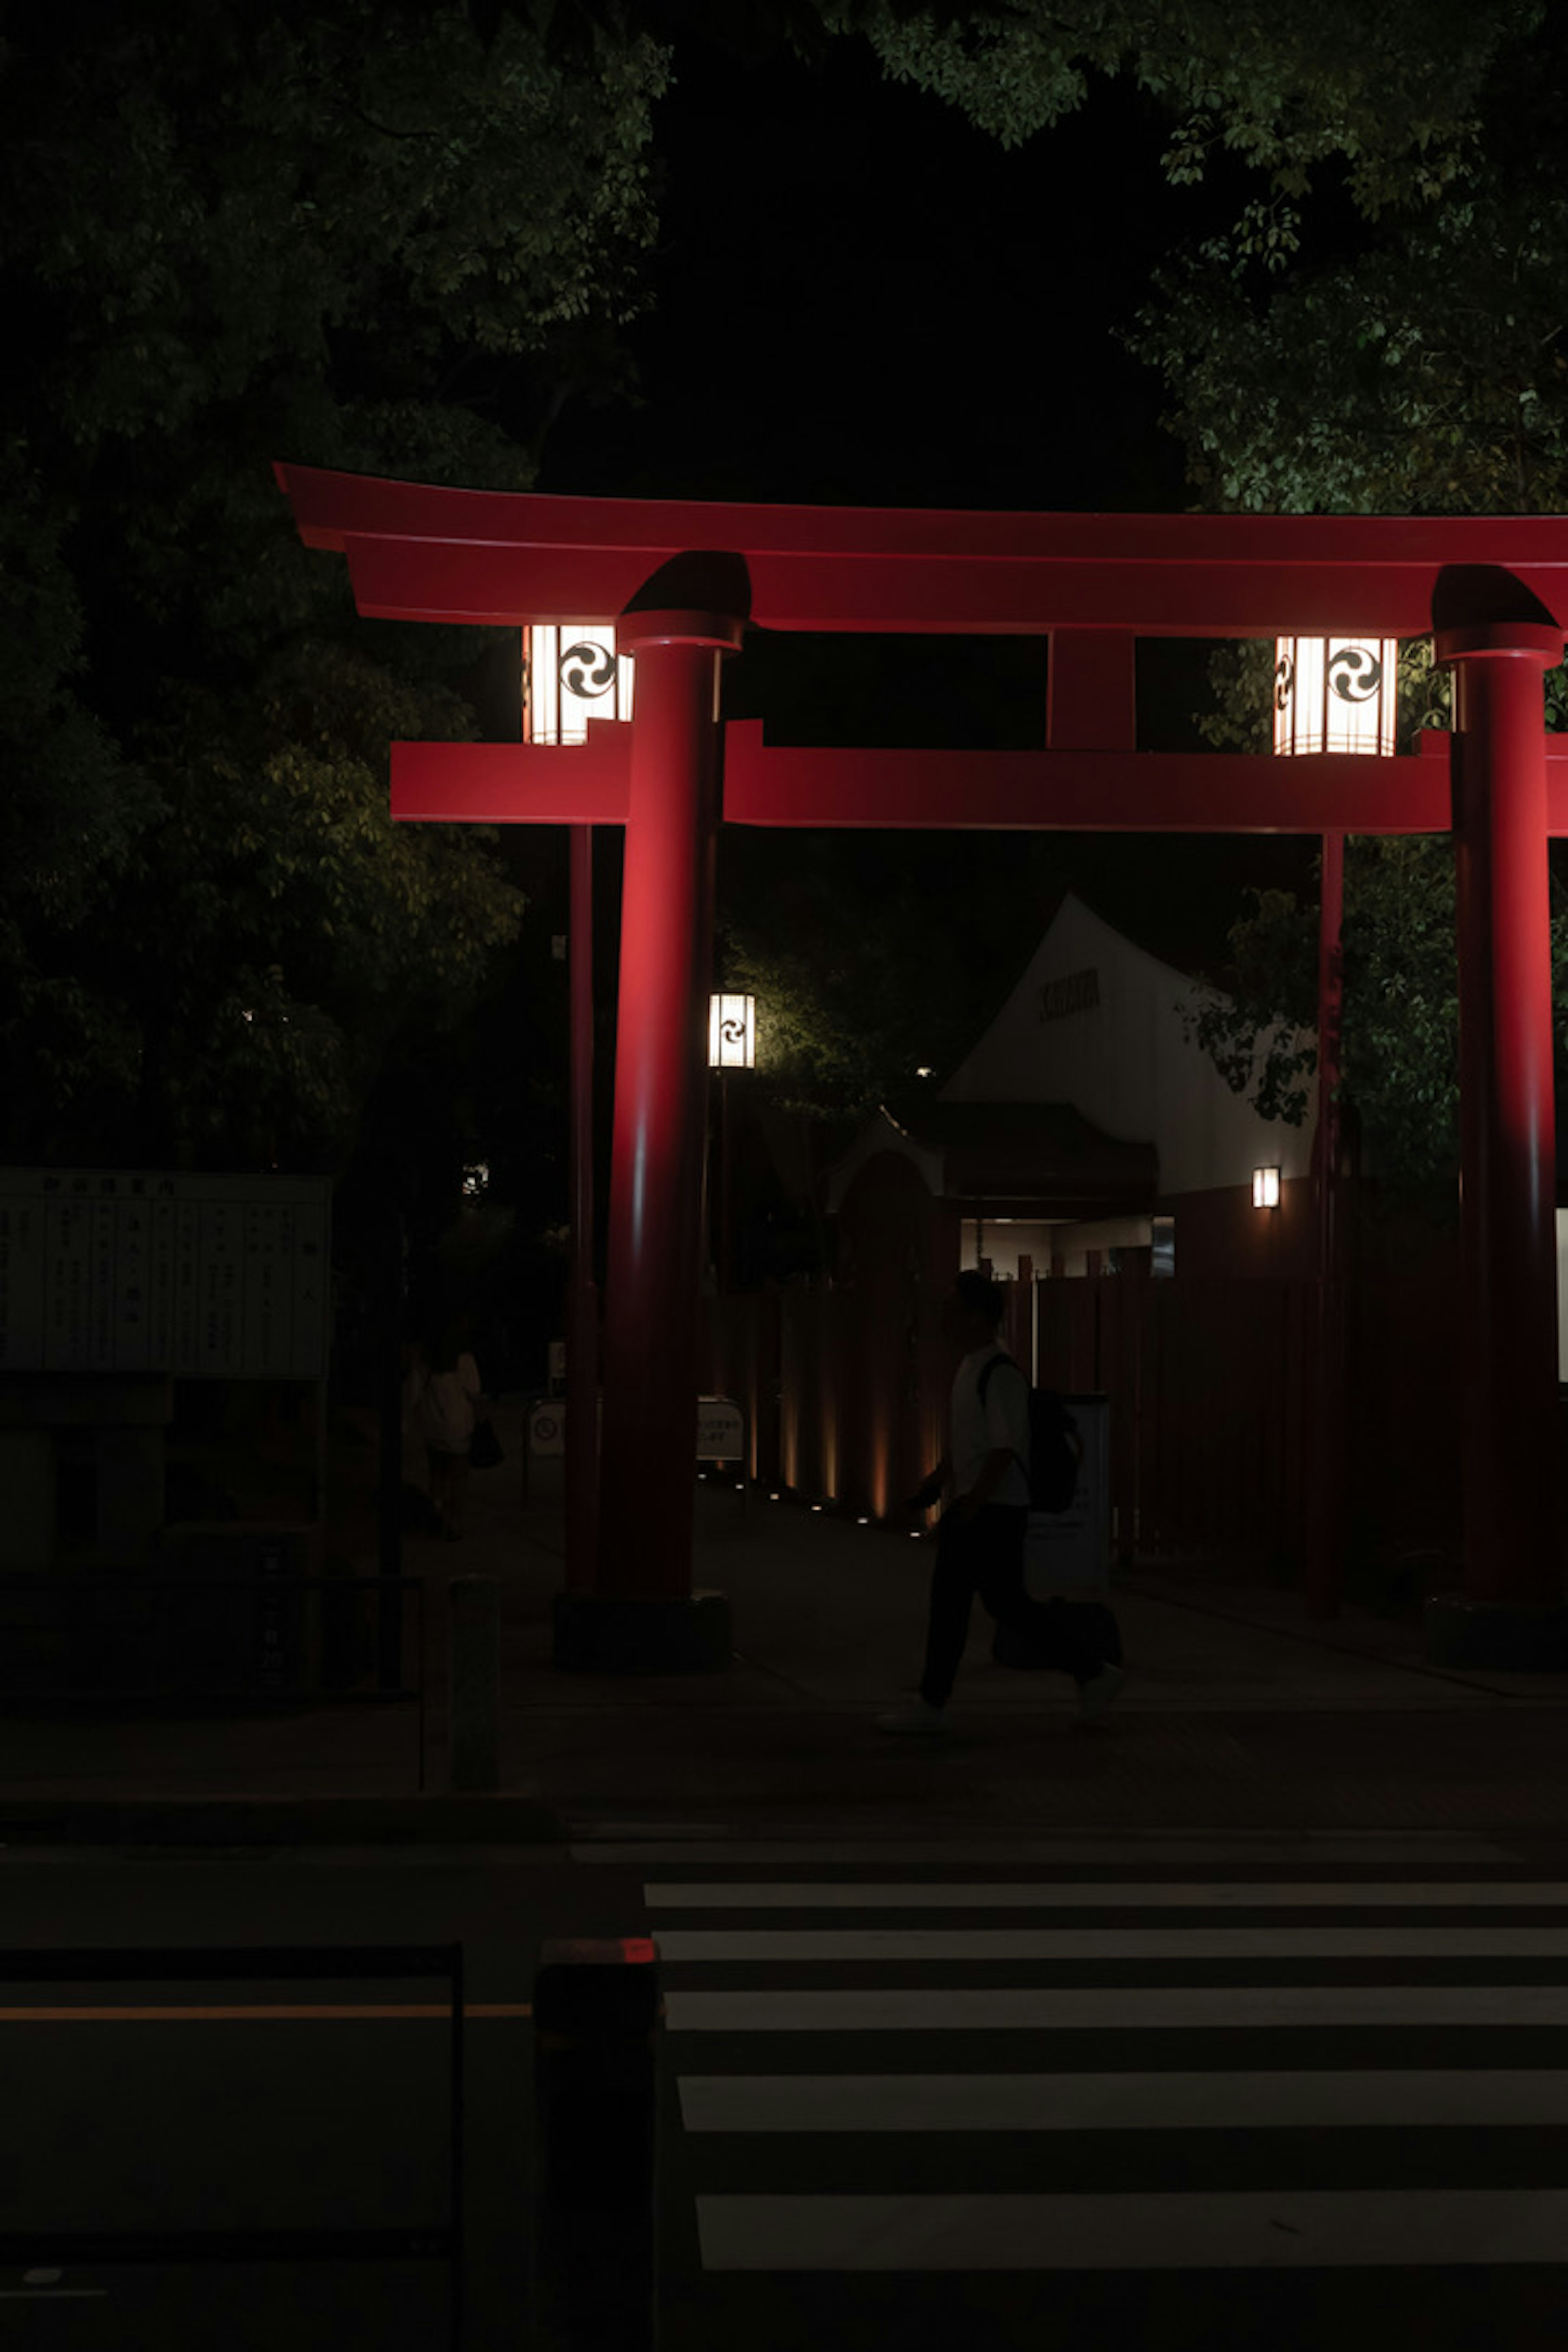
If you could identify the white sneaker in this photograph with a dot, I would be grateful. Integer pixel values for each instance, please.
(1095, 1696)
(920, 1721)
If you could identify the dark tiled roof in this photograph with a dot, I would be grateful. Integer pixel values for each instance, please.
(1041, 1156)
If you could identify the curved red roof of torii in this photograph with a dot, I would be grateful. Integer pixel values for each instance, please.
(417, 552)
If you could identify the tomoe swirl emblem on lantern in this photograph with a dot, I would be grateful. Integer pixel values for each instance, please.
(1355, 674)
(733, 1030)
(1284, 682)
(588, 671)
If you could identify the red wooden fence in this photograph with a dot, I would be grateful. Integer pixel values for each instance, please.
(1209, 1390)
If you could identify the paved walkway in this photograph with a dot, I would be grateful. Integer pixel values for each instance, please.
(1239, 1713)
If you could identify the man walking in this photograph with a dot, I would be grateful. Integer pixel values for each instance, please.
(981, 1537)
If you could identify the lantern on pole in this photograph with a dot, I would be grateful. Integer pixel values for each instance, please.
(1330, 694)
(731, 1033)
(731, 1045)
(1335, 694)
(572, 673)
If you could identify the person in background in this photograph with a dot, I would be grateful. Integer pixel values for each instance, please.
(982, 1533)
(448, 1394)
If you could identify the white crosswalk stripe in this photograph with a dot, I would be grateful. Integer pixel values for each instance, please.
(1190, 2230)
(1374, 2098)
(1318, 2074)
(894, 2009)
(813, 1944)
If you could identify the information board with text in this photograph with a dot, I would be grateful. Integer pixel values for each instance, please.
(205, 1277)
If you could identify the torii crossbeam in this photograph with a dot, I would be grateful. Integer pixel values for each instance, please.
(681, 581)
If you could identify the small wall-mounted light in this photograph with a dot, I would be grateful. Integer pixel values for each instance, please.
(731, 1033)
(1266, 1188)
(1335, 694)
(572, 673)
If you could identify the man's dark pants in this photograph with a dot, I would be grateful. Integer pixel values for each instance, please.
(985, 1555)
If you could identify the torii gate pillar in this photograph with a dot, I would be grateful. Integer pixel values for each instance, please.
(641, 1614)
(1508, 1141)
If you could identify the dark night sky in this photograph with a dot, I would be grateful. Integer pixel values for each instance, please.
(864, 301)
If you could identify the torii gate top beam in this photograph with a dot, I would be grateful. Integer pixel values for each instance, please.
(500, 558)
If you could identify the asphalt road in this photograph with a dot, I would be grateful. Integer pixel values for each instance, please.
(1192, 2094)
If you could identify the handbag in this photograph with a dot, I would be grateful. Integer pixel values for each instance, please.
(484, 1446)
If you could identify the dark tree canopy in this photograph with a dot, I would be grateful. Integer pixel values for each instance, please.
(349, 235)
(1418, 368)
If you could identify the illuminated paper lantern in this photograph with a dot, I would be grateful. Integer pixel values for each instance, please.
(572, 673)
(731, 1033)
(1335, 694)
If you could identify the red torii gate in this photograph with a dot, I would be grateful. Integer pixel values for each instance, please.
(682, 580)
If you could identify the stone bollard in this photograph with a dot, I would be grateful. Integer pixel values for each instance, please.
(598, 2009)
(28, 1481)
(474, 1669)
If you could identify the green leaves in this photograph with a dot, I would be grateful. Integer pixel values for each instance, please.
(1393, 92)
(1399, 1047)
(857, 986)
(335, 235)
(1417, 373)
(1393, 382)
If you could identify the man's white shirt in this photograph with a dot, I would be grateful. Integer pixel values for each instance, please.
(981, 1428)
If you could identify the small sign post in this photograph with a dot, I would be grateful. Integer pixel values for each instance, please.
(721, 1429)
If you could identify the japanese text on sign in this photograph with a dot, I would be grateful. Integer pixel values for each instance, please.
(206, 1278)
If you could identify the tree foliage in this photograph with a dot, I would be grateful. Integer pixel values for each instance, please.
(1399, 1048)
(1392, 95)
(1423, 375)
(865, 972)
(349, 236)
(1418, 368)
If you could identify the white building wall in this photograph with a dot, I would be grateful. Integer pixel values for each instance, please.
(1114, 1048)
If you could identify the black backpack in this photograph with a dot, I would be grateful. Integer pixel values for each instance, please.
(1056, 1449)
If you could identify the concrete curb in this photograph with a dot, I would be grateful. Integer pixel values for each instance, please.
(440, 1819)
